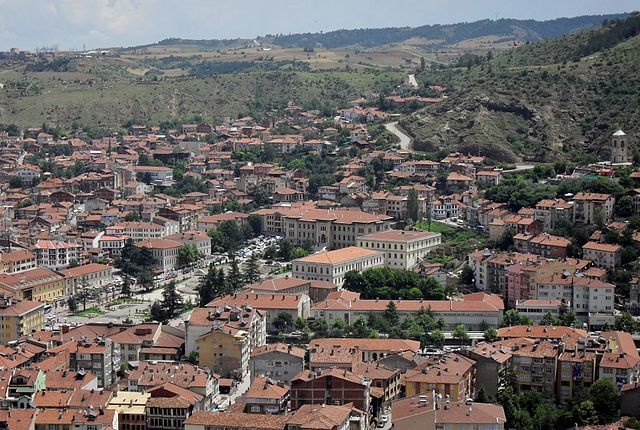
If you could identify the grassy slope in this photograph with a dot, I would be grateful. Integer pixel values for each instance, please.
(122, 98)
(529, 104)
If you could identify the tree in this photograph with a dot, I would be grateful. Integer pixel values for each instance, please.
(194, 357)
(568, 319)
(156, 312)
(460, 332)
(72, 303)
(506, 240)
(283, 321)
(285, 250)
(512, 317)
(482, 396)
(125, 288)
(604, 395)
(300, 324)
(422, 63)
(391, 314)
(252, 270)
(171, 300)
(255, 222)
(206, 287)
(360, 328)
(549, 320)
(413, 205)
(132, 216)
(320, 327)
(491, 335)
(467, 275)
(145, 280)
(234, 277)
(298, 252)
(625, 322)
(436, 338)
(16, 182)
(624, 206)
(188, 254)
(339, 327)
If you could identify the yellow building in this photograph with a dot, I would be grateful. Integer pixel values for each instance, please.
(39, 284)
(225, 350)
(449, 374)
(19, 318)
(131, 409)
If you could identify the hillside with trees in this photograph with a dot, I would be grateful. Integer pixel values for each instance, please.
(563, 97)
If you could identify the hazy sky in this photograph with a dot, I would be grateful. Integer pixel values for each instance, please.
(71, 24)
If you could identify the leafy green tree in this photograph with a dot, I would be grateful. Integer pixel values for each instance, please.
(436, 338)
(512, 318)
(568, 319)
(194, 357)
(285, 250)
(283, 321)
(467, 275)
(320, 327)
(298, 252)
(255, 222)
(624, 206)
(491, 334)
(625, 322)
(604, 395)
(16, 182)
(360, 328)
(188, 254)
(132, 216)
(72, 304)
(339, 327)
(156, 313)
(460, 332)
(301, 324)
(549, 320)
(482, 396)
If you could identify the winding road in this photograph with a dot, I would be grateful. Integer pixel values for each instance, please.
(405, 141)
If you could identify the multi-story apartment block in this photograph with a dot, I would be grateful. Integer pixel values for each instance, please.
(19, 318)
(603, 254)
(332, 266)
(620, 361)
(131, 409)
(199, 239)
(56, 255)
(330, 387)
(535, 366)
(402, 249)
(591, 299)
(589, 207)
(39, 284)
(140, 230)
(277, 360)
(17, 261)
(553, 211)
(225, 350)
(450, 374)
(204, 320)
(576, 372)
(100, 356)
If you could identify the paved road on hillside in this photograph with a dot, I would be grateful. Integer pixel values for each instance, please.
(405, 141)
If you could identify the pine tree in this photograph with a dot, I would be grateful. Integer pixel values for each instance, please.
(252, 270)
(72, 303)
(234, 277)
(206, 288)
(220, 286)
(125, 288)
(171, 300)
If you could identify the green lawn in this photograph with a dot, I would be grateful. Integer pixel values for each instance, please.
(436, 227)
(91, 312)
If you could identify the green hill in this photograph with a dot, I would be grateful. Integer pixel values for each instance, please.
(561, 97)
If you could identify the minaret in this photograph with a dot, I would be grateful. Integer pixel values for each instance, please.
(619, 147)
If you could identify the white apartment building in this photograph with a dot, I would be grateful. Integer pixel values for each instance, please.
(199, 239)
(17, 261)
(552, 211)
(112, 244)
(55, 254)
(331, 266)
(158, 175)
(621, 361)
(402, 249)
(138, 230)
(603, 254)
(591, 299)
(164, 250)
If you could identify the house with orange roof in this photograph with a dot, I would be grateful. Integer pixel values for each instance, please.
(266, 396)
(450, 374)
(588, 207)
(402, 249)
(17, 261)
(603, 254)
(278, 361)
(620, 361)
